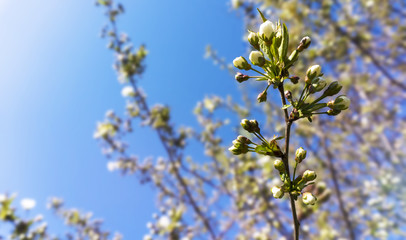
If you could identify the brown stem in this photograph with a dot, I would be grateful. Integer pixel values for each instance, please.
(285, 159)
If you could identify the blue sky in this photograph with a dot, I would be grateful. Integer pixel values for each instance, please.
(57, 81)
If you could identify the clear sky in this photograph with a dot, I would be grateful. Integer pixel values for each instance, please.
(57, 81)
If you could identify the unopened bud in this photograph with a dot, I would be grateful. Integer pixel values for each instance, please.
(255, 125)
(262, 96)
(308, 198)
(333, 112)
(313, 71)
(253, 39)
(342, 103)
(241, 63)
(243, 140)
(294, 79)
(332, 89)
(257, 58)
(330, 104)
(267, 31)
(278, 164)
(304, 43)
(250, 125)
(320, 85)
(300, 155)
(294, 114)
(288, 94)
(241, 77)
(277, 192)
(234, 150)
(321, 186)
(309, 175)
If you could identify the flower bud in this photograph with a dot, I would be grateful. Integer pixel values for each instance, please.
(304, 43)
(294, 114)
(313, 71)
(253, 39)
(288, 94)
(262, 96)
(255, 125)
(308, 198)
(278, 164)
(341, 103)
(243, 140)
(278, 35)
(300, 155)
(309, 175)
(332, 89)
(235, 150)
(330, 104)
(250, 125)
(241, 63)
(257, 58)
(267, 31)
(241, 77)
(317, 87)
(333, 112)
(277, 192)
(294, 79)
(245, 124)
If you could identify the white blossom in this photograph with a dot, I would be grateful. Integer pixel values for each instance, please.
(277, 192)
(266, 30)
(128, 91)
(164, 221)
(28, 203)
(308, 198)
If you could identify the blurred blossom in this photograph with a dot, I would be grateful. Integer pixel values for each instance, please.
(113, 165)
(164, 222)
(27, 203)
(128, 91)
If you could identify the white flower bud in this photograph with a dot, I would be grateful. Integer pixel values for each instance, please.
(253, 39)
(128, 91)
(300, 155)
(313, 71)
(257, 58)
(28, 203)
(241, 63)
(342, 103)
(317, 87)
(309, 175)
(277, 192)
(278, 164)
(308, 198)
(267, 30)
(304, 43)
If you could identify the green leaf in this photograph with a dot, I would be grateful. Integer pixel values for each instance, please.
(286, 106)
(283, 48)
(262, 15)
(278, 138)
(262, 149)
